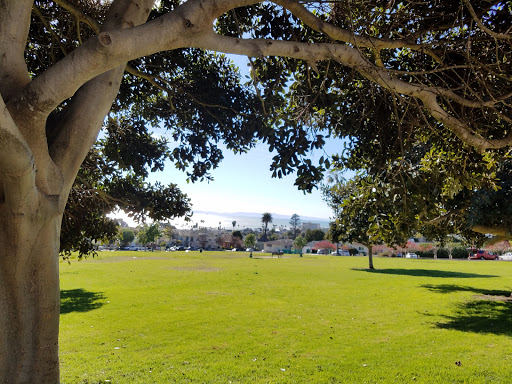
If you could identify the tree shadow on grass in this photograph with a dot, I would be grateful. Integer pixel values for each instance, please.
(80, 300)
(481, 316)
(424, 273)
(450, 288)
(490, 311)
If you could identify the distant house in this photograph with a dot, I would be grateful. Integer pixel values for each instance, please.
(228, 241)
(359, 247)
(284, 245)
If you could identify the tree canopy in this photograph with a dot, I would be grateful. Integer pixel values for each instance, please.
(148, 234)
(404, 86)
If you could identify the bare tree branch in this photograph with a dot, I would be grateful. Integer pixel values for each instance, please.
(499, 36)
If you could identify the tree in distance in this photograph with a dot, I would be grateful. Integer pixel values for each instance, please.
(299, 243)
(148, 234)
(355, 214)
(295, 224)
(127, 236)
(266, 219)
(408, 84)
(250, 240)
(314, 235)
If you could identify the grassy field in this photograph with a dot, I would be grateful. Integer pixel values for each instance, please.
(142, 317)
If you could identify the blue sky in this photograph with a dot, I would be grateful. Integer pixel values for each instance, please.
(243, 183)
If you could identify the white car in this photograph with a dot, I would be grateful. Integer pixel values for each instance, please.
(411, 255)
(506, 256)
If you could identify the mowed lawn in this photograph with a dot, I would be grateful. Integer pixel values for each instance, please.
(221, 317)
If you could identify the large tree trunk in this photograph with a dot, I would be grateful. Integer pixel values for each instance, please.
(29, 297)
(36, 174)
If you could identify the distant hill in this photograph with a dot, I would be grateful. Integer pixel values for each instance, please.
(248, 219)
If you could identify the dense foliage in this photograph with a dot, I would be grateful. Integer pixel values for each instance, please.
(459, 49)
(414, 174)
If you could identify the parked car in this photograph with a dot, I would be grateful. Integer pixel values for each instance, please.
(411, 255)
(340, 253)
(249, 250)
(482, 255)
(506, 256)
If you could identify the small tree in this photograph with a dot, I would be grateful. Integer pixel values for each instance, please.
(127, 236)
(324, 244)
(250, 240)
(142, 236)
(299, 243)
(149, 234)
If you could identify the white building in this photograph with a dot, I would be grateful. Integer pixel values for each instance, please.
(311, 226)
(278, 246)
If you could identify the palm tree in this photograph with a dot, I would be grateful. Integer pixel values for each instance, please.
(266, 218)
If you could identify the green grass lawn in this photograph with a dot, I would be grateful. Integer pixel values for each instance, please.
(142, 317)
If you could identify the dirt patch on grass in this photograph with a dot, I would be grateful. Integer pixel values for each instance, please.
(117, 259)
(506, 299)
(271, 257)
(201, 268)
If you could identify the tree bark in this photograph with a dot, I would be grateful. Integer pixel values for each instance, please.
(35, 178)
(370, 257)
(29, 296)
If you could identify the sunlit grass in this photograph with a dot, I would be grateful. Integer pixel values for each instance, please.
(223, 317)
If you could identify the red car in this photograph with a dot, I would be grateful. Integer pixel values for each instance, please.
(482, 255)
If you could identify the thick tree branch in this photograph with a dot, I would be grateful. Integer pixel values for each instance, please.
(353, 58)
(17, 167)
(463, 132)
(190, 25)
(14, 22)
(90, 105)
(81, 17)
(15, 157)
